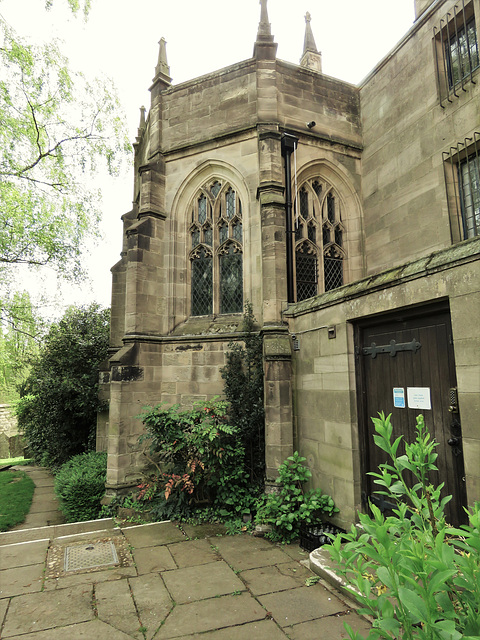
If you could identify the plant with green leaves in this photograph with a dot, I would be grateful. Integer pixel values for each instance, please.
(57, 411)
(198, 461)
(292, 506)
(416, 576)
(243, 386)
(80, 486)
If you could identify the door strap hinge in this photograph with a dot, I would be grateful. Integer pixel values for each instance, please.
(393, 348)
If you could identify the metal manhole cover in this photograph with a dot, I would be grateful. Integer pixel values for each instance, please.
(98, 554)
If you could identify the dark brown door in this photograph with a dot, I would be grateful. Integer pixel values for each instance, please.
(409, 360)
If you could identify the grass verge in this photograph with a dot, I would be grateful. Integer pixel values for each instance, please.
(16, 461)
(16, 493)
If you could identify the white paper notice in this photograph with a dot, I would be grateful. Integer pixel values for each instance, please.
(419, 398)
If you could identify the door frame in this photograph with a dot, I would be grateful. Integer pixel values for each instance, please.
(401, 314)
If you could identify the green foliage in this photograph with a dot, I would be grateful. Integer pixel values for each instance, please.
(20, 331)
(414, 574)
(56, 129)
(16, 494)
(199, 463)
(292, 506)
(243, 386)
(57, 412)
(80, 486)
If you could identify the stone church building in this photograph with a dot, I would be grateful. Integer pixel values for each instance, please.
(348, 216)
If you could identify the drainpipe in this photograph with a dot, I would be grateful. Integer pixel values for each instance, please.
(289, 144)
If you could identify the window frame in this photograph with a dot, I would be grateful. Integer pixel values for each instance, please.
(452, 33)
(318, 226)
(465, 155)
(222, 226)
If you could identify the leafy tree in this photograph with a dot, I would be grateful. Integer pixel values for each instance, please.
(59, 404)
(57, 130)
(20, 332)
(56, 127)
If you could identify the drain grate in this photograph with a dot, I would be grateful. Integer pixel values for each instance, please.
(90, 555)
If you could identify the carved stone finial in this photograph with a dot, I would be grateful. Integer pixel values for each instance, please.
(265, 47)
(311, 58)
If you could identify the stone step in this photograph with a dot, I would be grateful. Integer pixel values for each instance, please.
(57, 531)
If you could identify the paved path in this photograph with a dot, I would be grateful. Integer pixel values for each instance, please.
(97, 581)
(44, 510)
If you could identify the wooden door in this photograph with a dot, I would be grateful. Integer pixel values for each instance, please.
(409, 360)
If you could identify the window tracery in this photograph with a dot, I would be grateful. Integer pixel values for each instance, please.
(216, 255)
(319, 239)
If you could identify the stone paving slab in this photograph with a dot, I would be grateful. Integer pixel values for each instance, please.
(152, 600)
(275, 578)
(94, 630)
(246, 552)
(94, 577)
(43, 504)
(22, 554)
(19, 580)
(202, 582)
(150, 535)
(207, 530)
(208, 615)
(154, 559)
(193, 552)
(47, 610)
(302, 604)
(264, 630)
(116, 607)
(329, 627)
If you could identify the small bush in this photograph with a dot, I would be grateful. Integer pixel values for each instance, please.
(200, 464)
(291, 507)
(80, 486)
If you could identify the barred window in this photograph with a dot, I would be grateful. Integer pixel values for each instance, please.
(457, 55)
(470, 195)
(462, 176)
(319, 252)
(216, 255)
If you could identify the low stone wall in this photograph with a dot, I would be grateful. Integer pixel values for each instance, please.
(11, 442)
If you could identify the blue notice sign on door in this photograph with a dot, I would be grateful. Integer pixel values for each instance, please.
(399, 397)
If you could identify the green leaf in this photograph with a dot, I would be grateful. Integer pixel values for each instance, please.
(414, 604)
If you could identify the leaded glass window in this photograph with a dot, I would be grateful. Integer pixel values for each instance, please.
(202, 283)
(216, 257)
(231, 280)
(470, 195)
(461, 53)
(319, 239)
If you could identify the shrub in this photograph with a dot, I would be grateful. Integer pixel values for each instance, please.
(199, 463)
(417, 577)
(58, 410)
(291, 506)
(80, 486)
(243, 386)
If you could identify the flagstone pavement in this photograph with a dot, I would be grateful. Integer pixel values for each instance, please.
(100, 581)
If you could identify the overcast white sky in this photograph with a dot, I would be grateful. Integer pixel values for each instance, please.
(121, 38)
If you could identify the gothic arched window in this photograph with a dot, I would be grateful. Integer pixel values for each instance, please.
(216, 251)
(319, 252)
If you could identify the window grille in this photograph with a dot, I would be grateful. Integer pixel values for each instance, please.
(457, 55)
(216, 261)
(318, 231)
(462, 174)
